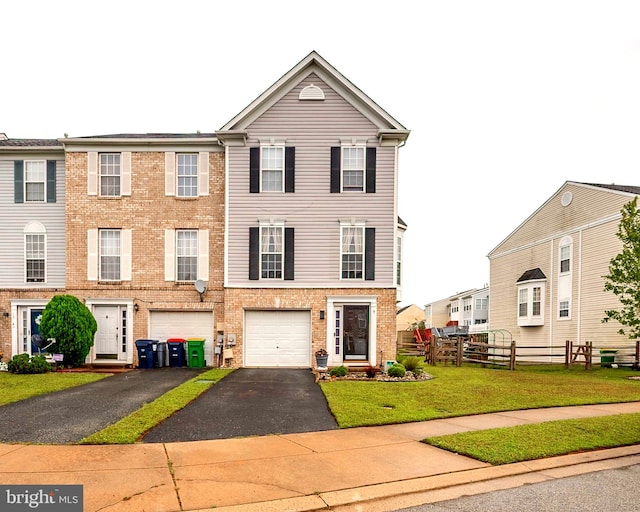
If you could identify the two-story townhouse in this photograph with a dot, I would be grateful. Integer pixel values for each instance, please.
(311, 222)
(32, 252)
(145, 219)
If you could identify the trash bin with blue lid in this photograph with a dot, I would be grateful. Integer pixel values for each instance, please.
(146, 354)
(195, 352)
(176, 352)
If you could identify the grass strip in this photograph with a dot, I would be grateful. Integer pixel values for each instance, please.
(528, 442)
(19, 387)
(129, 429)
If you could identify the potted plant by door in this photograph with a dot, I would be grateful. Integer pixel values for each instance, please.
(322, 357)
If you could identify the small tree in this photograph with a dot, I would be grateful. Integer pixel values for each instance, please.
(73, 326)
(624, 273)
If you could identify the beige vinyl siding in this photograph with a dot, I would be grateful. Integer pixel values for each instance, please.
(589, 205)
(312, 127)
(16, 216)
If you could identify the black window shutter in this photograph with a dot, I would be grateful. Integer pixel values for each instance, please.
(371, 170)
(254, 253)
(370, 254)
(288, 253)
(18, 180)
(51, 181)
(289, 169)
(335, 169)
(254, 170)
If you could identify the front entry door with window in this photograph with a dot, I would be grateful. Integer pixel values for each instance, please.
(107, 339)
(354, 331)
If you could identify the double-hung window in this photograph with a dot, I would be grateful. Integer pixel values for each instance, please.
(110, 255)
(34, 181)
(565, 258)
(110, 174)
(353, 168)
(187, 174)
(352, 252)
(187, 254)
(35, 257)
(271, 252)
(272, 168)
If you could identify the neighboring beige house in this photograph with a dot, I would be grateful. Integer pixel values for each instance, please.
(407, 316)
(546, 277)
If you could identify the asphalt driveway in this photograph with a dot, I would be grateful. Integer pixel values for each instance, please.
(67, 416)
(250, 402)
(245, 403)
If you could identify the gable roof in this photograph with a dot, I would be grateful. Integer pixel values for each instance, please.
(627, 190)
(388, 127)
(531, 275)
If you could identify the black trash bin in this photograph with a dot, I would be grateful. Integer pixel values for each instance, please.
(176, 352)
(146, 354)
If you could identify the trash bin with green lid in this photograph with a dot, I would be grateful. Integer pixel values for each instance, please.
(607, 357)
(195, 352)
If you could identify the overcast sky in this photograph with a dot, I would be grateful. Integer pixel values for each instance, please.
(505, 100)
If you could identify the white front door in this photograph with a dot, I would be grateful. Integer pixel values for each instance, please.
(107, 337)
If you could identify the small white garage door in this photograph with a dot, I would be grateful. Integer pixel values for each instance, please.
(278, 338)
(184, 324)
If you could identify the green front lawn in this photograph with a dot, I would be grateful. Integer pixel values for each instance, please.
(18, 387)
(459, 391)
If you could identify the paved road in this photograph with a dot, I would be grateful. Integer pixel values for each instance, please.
(614, 490)
(250, 402)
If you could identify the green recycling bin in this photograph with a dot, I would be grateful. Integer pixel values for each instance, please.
(607, 357)
(195, 352)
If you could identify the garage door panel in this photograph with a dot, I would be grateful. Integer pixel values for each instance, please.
(183, 324)
(278, 338)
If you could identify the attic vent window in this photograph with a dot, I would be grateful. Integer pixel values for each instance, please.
(566, 199)
(311, 92)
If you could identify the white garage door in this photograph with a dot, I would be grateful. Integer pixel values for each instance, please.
(278, 338)
(184, 324)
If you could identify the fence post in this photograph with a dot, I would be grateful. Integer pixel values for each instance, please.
(588, 356)
(512, 356)
(432, 350)
(459, 347)
(637, 365)
(568, 349)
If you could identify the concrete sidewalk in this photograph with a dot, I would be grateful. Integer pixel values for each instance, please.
(371, 468)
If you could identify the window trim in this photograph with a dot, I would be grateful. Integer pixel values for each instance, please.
(281, 148)
(35, 229)
(178, 256)
(530, 287)
(101, 276)
(196, 157)
(105, 165)
(360, 226)
(43, 181)
(343, 150)
(279, 226)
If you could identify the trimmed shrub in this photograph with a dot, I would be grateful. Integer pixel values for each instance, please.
(73, 326)
(412, 363)
(338, 371)
(397, 370)
(23, 363)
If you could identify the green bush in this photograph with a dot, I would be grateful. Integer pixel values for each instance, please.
(338, 371)
(23, 363)
(412, 363)
(72, 325)
(397, 370)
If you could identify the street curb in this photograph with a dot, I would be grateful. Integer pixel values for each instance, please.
(429, 489)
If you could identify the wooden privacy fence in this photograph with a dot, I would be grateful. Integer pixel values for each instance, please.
(497, 349)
